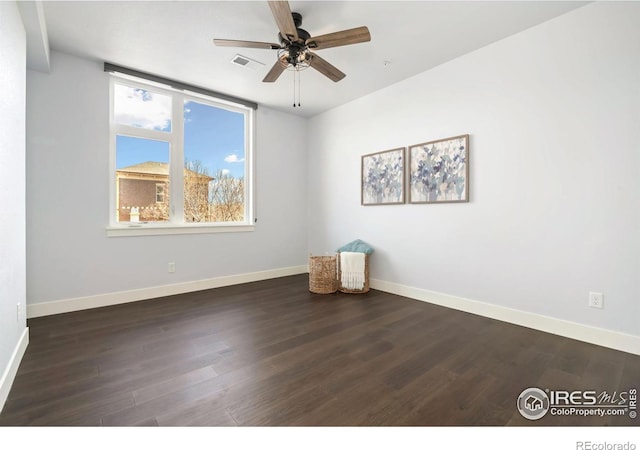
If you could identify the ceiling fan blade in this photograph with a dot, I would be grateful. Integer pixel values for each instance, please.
(325, 68)
(275, 72)
(346, 37)
(248, 44)
(282, 13)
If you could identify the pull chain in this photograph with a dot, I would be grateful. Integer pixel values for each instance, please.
(296, 73)
(298, 89)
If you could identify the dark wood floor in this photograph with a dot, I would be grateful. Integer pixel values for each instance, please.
(272, 353)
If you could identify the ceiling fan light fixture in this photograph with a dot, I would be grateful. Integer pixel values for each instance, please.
(296, 60)
(294, 49)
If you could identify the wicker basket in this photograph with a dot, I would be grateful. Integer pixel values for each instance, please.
(365, 288)
(322, 274)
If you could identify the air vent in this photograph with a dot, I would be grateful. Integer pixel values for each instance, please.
(240, 60)
(247, 62)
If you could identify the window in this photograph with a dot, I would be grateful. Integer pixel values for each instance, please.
(141, 166)
(160, 192)
(213, 181)
(181, 161)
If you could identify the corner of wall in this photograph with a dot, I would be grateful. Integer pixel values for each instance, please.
(6, 381)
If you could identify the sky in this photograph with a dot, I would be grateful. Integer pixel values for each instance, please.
(213, 136)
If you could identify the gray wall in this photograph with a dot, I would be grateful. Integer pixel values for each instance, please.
(68, 252)
(12, 186)
(553, 113)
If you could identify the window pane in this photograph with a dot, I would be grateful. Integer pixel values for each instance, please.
(141, 108)
(214, 143)
(142, 180)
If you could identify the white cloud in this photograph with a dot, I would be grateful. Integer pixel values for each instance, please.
(141, 108)
(233, 158)
(226, 171)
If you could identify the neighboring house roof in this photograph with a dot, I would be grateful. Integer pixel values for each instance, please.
(156, 168)
(149, 167)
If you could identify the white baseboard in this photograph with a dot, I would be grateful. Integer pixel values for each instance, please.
(116, 298)
(593, 335)
(12, 368)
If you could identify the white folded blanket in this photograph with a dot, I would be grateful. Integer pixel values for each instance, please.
(352, 268)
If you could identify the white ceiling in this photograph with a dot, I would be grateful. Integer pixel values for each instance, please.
(174, 40)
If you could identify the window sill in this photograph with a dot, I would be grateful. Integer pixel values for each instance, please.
(161, 229)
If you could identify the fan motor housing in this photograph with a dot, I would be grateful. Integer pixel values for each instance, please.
(297, 19)
(303, 35)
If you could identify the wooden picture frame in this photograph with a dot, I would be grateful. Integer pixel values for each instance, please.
(439, 171)
(382, 178)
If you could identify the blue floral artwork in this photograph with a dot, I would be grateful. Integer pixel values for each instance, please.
(439, 171)
(383, 178)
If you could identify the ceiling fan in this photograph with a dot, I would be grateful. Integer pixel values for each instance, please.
(294, 49)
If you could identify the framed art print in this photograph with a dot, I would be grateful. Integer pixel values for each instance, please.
(383, 178)
(439, 171)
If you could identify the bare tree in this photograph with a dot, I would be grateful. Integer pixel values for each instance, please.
(212, 199)
(227, 198)
(196, 192)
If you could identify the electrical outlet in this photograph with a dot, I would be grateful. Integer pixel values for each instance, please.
(172, 267)
(596, 300)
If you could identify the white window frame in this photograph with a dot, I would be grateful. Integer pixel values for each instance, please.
(176, 223)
